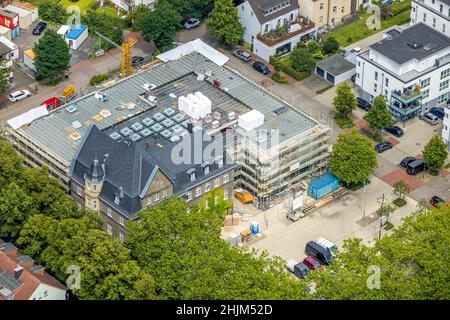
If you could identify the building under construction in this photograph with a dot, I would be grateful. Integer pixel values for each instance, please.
(275, 146)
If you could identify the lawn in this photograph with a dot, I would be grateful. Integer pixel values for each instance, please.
(82, 4)
(109, 11)
(358, 30)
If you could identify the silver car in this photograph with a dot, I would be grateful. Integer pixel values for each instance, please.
(191, 23)
(243, 55)
(430, 118)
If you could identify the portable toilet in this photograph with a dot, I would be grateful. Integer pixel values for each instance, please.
(254, 227)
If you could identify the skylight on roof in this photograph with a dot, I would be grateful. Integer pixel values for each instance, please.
(157, 127)
(126, 131)
(146, 132)
(177, 128)
(185, 123)
(159, 116)
(137, 126)
(167, 123)
(135, 137)
(178, 117)
(148, 121)
(166, 133)
(114, 135)
(71, 109)
(169, 111)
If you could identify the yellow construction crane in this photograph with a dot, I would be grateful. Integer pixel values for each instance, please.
(126, 66)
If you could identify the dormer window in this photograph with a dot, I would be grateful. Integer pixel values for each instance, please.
(191, 174)
(205, 166)
(219, 161)
(116, 199)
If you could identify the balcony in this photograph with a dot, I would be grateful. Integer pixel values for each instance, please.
(406, 103)
(285, 32)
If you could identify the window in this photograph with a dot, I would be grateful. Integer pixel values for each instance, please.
(198, 192)
(109, 228)
(443, 28)
(216, 199)
(413, 9)
(220, 162)
(207, 187)
(79, 191)
(121, 236)
(225, 194)
(334, 9)
(192, 176)
(434, 22)
(425, 83)
(424, 17)
(95, 187)
(206, 170)
(375, 87)
(164, 193)
(188, 196)
(216, 182)
(425, 93)
(376, 75)
(321, 6)
(109, 212)
(266, 28)
(442, 98)
(149, 200)
(225, 178)
(386, 83)
(121, 221)
(445, 73)
(206, 203)
(157, 197)
(443, 85)
(116, 200)
(321, 19)
(94, 204)
(441, 8)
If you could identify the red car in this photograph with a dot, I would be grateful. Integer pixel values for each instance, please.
(312, 263)
(435, 201)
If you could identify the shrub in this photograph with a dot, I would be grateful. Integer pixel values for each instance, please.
(399, 202)
(279, 78)
(376, 137)
(343, 123)
(99, 78)
(388, 226)
(286, 68)
(324, 89)
(349, 39)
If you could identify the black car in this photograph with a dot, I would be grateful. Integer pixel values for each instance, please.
(394, 130)
(404, 163)
(383, 146)
(436, 201)
(363, 104)
(39, 28)
(261, 67)
(438, 112)
(136, 60)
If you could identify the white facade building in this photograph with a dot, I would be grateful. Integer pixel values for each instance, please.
(446, 126)
(411, 67)
(128, 5)
(273, 27)
(434, 13)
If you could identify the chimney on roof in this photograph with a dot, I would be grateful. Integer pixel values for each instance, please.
(18, 272)
(40, 270)
(8, 248)
(189, 127)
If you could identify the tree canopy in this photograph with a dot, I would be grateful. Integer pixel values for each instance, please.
(52, 12)
(330, 45)
(353, 158)
(435, 153)
(345, 100)
(224, 23)
(109, 26)
(4, 77)
(52, 55)
(378, 115)
(302, 59)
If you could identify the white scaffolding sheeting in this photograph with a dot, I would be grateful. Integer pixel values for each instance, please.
(28, 117)
(196, 45)
(251, 120)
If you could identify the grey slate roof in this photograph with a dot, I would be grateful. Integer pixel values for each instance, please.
(259, 5)
(336, 65)
(8, 281)
(416, 42)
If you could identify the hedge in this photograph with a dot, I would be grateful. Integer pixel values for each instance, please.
(297, 75)
(98, 79)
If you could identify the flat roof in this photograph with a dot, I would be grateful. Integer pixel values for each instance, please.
(416, 42)
(336, 65)
(62, 130)
(75, 32)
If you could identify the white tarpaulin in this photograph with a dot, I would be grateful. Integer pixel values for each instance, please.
(196, 45)
(28, 117)
(251, 120)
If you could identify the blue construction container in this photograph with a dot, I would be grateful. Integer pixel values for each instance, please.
(322, 186)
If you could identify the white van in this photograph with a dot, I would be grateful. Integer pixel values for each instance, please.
(327, 244)
(18, 95)
(101, 96)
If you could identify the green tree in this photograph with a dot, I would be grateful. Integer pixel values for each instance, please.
(52, 55)
(407, 271)
(188, 259)
(344, 101)
(191, 8)
(330, 46)
(160, 25)
(52, 12)
(15, 206)
(110, 27)
(4, 77)
(10, 164)
(315, 49)
(224, 23)
(401, 188)
(137, 13)
(302, 60)
(435, 153)
(378, 115)
(353, 158)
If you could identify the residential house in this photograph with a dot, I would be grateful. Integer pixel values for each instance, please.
(21, 279)
(274, 27)
(325, 12)
(410, 67)
(9, 52)
(434, 13)
(128, 5)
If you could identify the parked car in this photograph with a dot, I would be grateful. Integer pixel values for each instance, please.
(436, 201)
(101, 96)
(353, 78)
(356, 50)
(327, 244)
(415, 167)
(244, 196)
(312, 263)
(148, 86)
(261, 67)
(298, 268)
(191, 23)
(394, 130)
(363, 104)
(404, 163)
(438, 112)
(136, 60)
(243, 55)
(39, 28)
(319, 253)
(18, 95)
(383, 146)
(430, 118)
